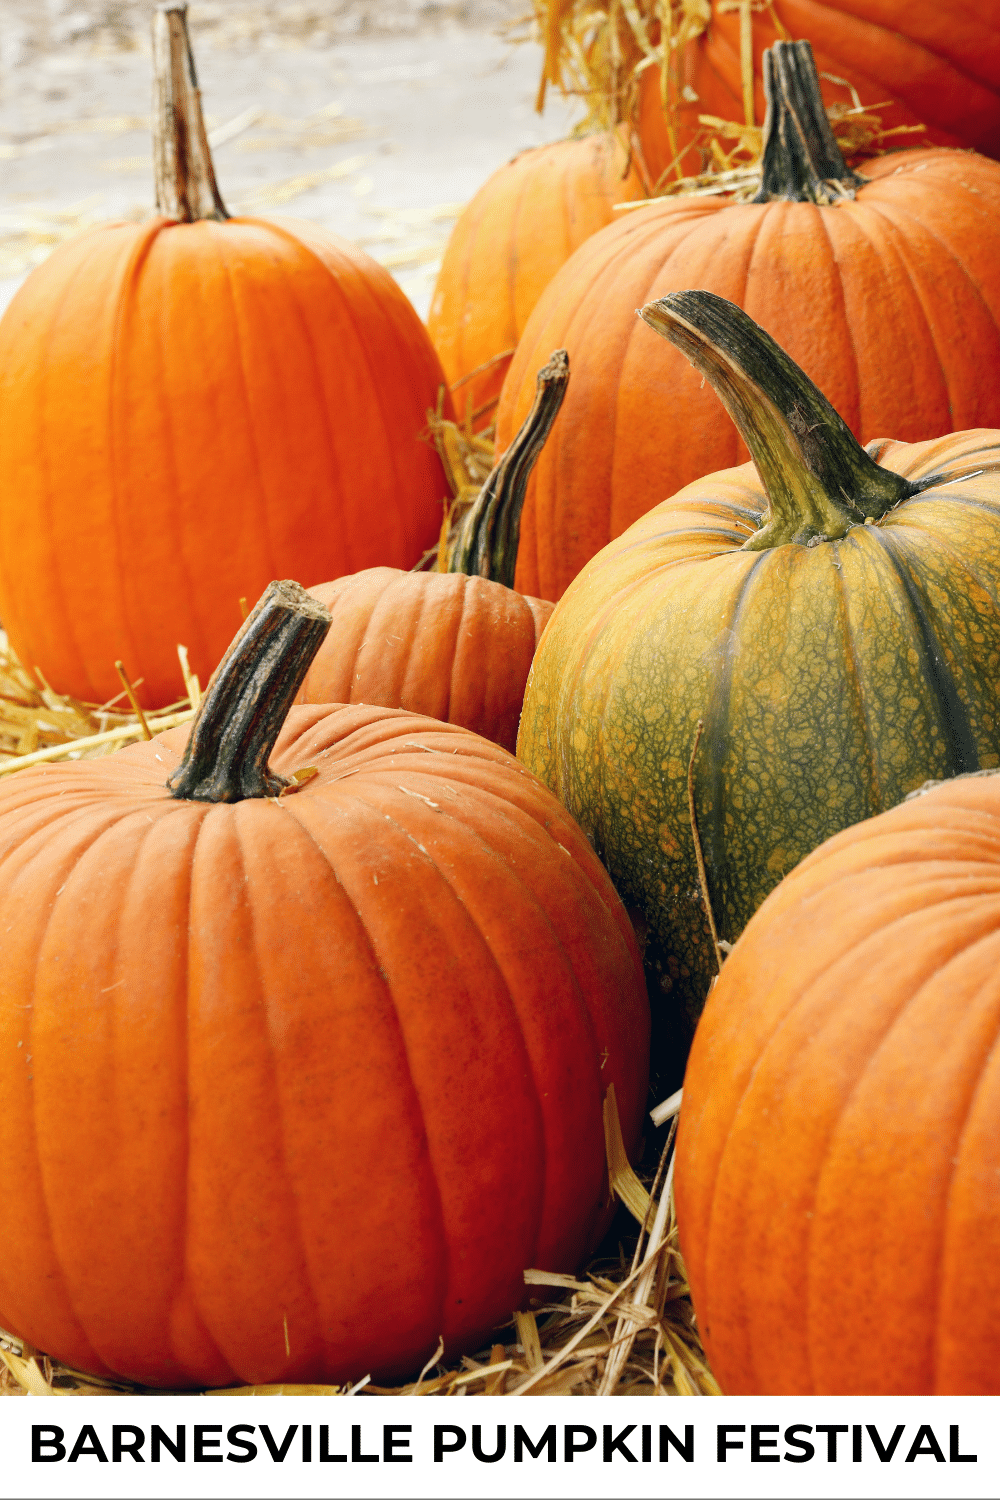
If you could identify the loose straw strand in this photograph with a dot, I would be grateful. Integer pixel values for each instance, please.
(699, 857)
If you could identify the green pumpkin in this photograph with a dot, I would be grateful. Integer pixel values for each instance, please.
(829, 614)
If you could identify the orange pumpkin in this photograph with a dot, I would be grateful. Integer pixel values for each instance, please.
(865, 293)
(295, 1084)
(525, 221)
(838, 1191)
(194, 405)
(923, 62)
(455, 645)
(452, 647)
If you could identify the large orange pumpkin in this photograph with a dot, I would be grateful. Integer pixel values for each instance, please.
(294, 1084)
(925, 63)
(194, 405)
(865, 292)
(525, 221)
(456, 645)
(838, 1158)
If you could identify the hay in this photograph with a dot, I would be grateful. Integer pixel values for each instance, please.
(598, 52)
(467, 458)
(39, 725)
(624, 1327)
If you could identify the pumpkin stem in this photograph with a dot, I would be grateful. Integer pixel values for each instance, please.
(801, 159)
(182, 162)
(488, 537)
(819, 480)
(248, 698)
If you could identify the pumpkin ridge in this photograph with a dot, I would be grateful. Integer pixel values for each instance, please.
(923, 57)
(242, 813)
(840, 316)
(962, 560)
(794, 1013)
(857, 678)
(503, 812)
(120, 382)
(57, 598)
(872, 1061)
(80, 849)
(301, 813)
(534, 573)
(765, 212)
(956, 727)
(892, 241)
(126, 284)
(885, 207)
(466, 272)
(716, 719)
(967, 502)
(984, 1093)
(514, 262)
(856, 39)
(454, 651)
(547, 567)
(197, 814)
(201, 1246)
(238, 305)
(345, 307)
(955, 267)
(329, 439)
(979, 1085)
(184, 1287)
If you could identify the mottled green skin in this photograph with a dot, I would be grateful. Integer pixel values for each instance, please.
(832, 680)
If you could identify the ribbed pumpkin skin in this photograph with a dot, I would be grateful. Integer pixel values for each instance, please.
(939, 63)
(836, 1177)
(442, 644)
(522, 225)
(866, 297)
(325, 1069)
(831, 680)
(186, 412)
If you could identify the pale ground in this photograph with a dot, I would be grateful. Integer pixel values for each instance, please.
(376, 118)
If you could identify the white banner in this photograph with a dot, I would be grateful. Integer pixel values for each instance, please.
(920, 1448)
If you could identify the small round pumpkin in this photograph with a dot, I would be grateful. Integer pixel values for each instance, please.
(455, 645)
(838, 1156)
(864, 285)
(294, 1084)
(192, 406)
(831, 617)
(524, 222)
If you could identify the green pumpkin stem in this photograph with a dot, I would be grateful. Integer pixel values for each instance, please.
(182, 162)
(487, 541)
(801, 159)
(819, 480)
(248, 698)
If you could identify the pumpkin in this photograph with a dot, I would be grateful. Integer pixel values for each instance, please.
(839, 1141)
(919, 62)
(191, 406)
(294, 1084)
(509, 242)
(830, 617)
(864, 291)
(456, 645)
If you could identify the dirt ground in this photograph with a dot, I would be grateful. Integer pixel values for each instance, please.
(376, 118)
